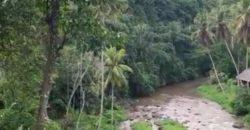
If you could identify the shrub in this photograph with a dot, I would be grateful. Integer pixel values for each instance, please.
(12, 120)
(143, 84)
(241, 105)
(213, 80)
(90, 121)
(52, 125)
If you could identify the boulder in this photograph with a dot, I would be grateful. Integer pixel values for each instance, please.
(238, 125)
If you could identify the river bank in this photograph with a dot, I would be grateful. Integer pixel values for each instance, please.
(182, 103)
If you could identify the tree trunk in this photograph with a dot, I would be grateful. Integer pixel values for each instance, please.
(247, 59)
(104, 85)
(75, 87)
(102, 102)
(82, 107)
(233, 60)
(112, 107)
(44, 95)
(216, 73)
(102, 94)
(51, 49)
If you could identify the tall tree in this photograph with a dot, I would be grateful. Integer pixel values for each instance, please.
(205, 37)
(243, 28)
(106, 10)
(223, 34)
(52, 48)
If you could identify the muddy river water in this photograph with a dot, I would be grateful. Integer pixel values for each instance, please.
(182, 103)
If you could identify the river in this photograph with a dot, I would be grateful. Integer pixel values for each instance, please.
(180, 102)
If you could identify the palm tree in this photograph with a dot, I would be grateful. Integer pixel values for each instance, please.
(115, 71)
(223, 34)
(115, 75)
(205, 37)
(102, 10)
(243, 30)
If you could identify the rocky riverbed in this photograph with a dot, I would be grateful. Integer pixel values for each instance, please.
(180, 102)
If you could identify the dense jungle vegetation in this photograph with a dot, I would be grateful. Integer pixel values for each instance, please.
(72, 64)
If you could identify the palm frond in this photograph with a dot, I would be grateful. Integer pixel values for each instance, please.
(125, 68)
(115, 69)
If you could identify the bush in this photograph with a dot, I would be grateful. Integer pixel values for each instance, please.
(143, 84)
(12, 120)
(213, 79)
(241, 105)
(52, 125)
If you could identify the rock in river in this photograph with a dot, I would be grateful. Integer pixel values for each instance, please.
(238, 125)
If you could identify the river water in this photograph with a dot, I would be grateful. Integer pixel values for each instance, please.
(180, 102)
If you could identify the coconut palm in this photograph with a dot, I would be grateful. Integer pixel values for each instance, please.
(205, 37)
(106, 9)
(223, 34)
(115, 71)
(243, 30)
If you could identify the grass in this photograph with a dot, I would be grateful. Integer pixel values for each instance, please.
(212, 92)
(141, 125)
(170, 125)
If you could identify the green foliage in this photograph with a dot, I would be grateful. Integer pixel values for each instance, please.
(18, 42)
(170, 125)
(52, 125)
(90, 122)
(141, 125)
(13, 119)
(241, 104)
(159, 55)
(165, 10)
(20, 64)
(223, 61)
(73, 64)
(115, 69)
(213, 80)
